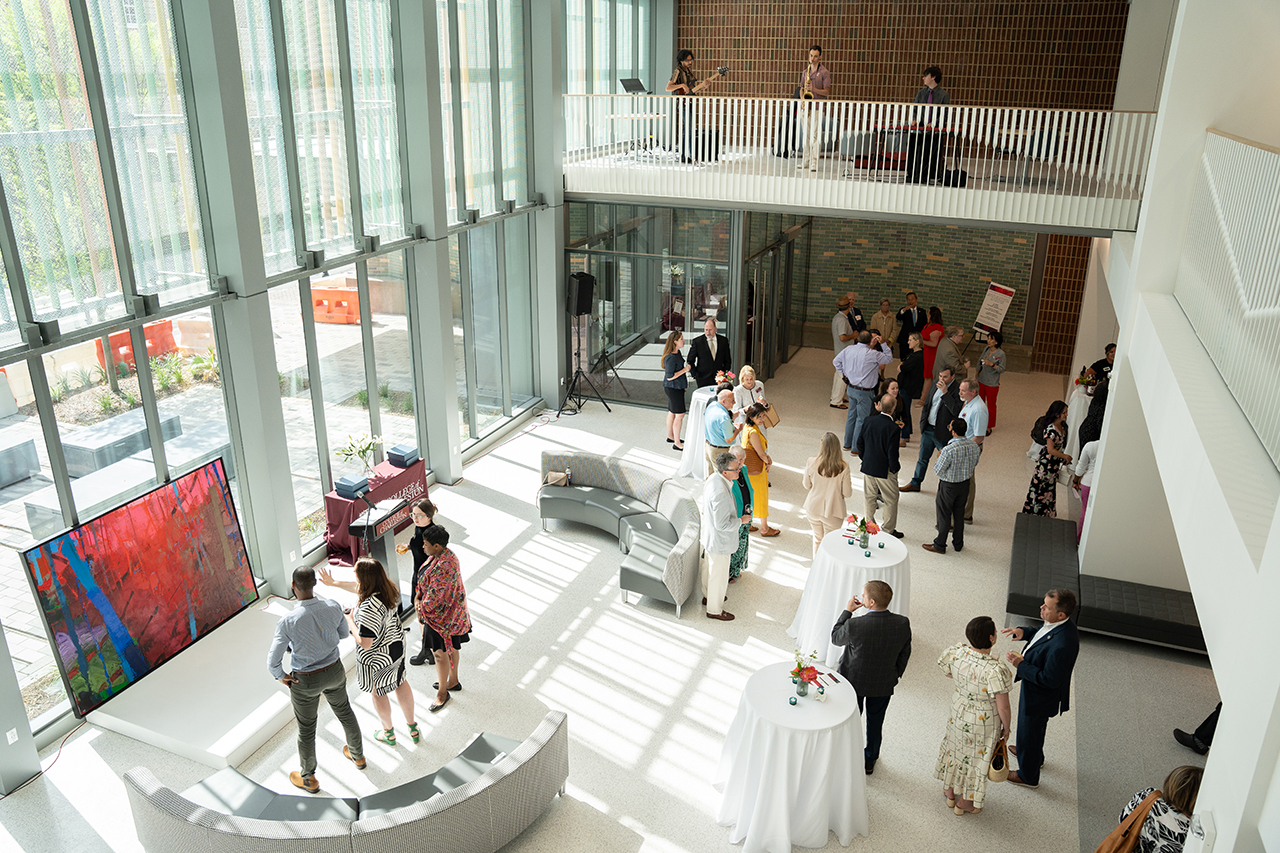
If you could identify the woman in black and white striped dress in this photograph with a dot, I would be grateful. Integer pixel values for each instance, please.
(380, 653)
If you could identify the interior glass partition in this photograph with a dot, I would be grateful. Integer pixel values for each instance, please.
(656, 270)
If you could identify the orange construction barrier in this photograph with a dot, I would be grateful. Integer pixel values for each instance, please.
(335, 305)
(159, 341)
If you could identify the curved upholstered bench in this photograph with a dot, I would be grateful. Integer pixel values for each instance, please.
(476, 803)
(656, 521)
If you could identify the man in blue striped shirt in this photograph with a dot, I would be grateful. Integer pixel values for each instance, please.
(954, 468)
(311, 632)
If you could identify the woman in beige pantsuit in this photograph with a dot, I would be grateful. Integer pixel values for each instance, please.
(826, 476)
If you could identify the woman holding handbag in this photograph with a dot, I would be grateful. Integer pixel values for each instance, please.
(1165, 816)
(758, 464)
(979, 716)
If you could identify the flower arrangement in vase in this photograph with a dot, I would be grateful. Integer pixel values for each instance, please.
(805, 672)
(726, 376)
(862, 530)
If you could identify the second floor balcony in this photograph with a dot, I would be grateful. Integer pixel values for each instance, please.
(1065, 171)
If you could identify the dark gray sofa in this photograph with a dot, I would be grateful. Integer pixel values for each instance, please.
(656, 522)
(1044, 557)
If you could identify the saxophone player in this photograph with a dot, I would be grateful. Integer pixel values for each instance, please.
(815, 86)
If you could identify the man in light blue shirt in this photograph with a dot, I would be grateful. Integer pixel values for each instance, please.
(718, 428)
(311, 632)
(975, 415)
(860, 367)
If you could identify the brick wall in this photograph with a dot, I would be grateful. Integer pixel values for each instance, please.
(945, 265)
(1066, 265)
(1063, 55)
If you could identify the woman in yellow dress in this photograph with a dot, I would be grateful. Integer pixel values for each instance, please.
(758, 464)
(979, 716)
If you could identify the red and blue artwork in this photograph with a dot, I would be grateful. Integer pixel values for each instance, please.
(131, 589)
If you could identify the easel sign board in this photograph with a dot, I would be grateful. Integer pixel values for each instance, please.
(994, 306)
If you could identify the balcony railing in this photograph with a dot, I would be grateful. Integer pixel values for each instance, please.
(1072, 169)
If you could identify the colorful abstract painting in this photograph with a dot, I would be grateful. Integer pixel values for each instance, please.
(127, 591)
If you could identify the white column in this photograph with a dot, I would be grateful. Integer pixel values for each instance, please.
(546, 103)
(253, 398)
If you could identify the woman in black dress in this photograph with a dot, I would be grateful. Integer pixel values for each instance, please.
(674, 382)
(911, 379)
(423, 513)
(1091, 427)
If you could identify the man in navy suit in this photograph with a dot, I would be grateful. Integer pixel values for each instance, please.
(877, 648)
(1044, 668)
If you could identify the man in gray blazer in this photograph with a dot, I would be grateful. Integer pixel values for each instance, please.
(877, 648)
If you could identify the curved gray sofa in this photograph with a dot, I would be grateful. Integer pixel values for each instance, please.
(477, 803)
(656, 521)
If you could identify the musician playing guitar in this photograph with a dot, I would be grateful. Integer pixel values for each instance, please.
(683, 81)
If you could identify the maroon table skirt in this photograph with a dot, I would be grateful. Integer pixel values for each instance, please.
(387, 482)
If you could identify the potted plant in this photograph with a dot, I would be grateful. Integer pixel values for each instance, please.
(360, 446)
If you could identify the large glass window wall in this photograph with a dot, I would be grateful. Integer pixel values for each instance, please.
(100, 179)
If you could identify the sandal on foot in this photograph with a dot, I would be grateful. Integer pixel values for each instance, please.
(387, 736)
(414, 733)
(436, 706)
(454, 689)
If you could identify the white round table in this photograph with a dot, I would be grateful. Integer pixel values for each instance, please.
(839, 571)
(693, 461)
(790, 773)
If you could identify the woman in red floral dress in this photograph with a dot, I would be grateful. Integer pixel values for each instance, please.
(441, 602)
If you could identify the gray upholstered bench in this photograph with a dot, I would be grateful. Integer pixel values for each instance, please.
(655, 520)
(476, 803)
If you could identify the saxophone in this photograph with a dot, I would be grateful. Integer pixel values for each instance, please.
(805, 94)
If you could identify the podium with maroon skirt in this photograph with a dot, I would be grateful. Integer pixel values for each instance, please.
(386, 483)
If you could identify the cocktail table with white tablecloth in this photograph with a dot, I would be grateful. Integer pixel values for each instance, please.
(839, 571)
(789, 773)
(693, 461)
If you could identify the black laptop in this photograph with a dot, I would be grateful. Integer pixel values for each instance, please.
(633, 86)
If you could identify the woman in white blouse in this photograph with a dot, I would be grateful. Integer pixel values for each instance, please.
(750, 391)
(1083, 480)
(826, 476)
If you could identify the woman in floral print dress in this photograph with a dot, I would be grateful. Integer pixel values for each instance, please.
(979, 716)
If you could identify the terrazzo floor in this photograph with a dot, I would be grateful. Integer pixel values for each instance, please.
(650, 697)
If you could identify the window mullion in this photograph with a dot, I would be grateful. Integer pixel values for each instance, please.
(468, 333)
(193, 135)
(14, 273)
(288, 133)
(459, 151)
(495, 108)
(530, 148)
(106, 154)
(366, 339)
(52, 440)
(402, 121)
(315, 387)
(349, 121)
(504, 339)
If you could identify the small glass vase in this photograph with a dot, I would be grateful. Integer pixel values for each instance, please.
(864, 540)
(802, 688)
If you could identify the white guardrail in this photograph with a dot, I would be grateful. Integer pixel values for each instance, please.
(1069, 168)
(1228, 281)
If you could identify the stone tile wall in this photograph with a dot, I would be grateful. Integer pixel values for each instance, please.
(945, 265)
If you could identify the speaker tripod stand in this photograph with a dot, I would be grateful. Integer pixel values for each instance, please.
(575, 395)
